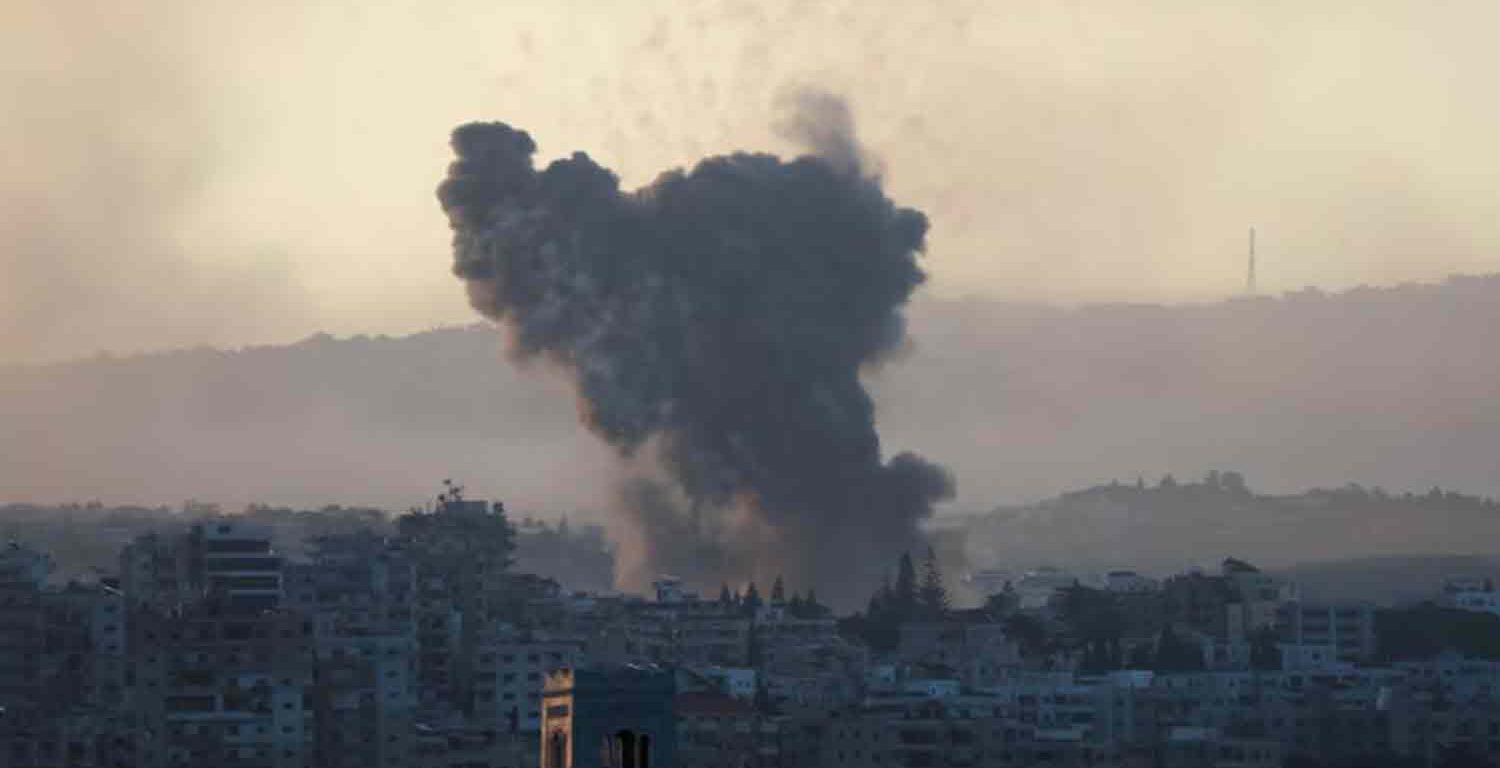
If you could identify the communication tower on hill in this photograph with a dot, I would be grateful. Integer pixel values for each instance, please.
(1250, 274)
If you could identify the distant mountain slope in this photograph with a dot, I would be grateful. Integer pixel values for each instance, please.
(1397, 387)
(1163, 528)
(365, 420)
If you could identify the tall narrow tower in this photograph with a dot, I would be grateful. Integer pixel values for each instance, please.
(609, 717)
(1250, 276)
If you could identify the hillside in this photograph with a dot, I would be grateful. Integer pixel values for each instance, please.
(1392, 387)
(1344, 542)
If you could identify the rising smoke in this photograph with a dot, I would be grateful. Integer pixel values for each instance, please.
(716, 322)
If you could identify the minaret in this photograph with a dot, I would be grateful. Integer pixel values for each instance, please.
(1250, 276)
(609, 717)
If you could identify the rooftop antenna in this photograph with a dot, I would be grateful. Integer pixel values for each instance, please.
(1250, 276)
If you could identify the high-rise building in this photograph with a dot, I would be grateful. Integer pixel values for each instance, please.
(231, 562)
(237, 564)
(23, 572)
(213, 686)
(357, 591)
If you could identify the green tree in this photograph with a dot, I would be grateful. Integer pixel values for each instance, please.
(1140, 657)
(1029, 634)
(1265, 654)
(904, 595)
(878, 626)
(1234, 483)
(1004, 603)
(1425, 631)
(778, 591)
(932, 597)
(1091, 614)
(753, 650)
(882, 600)
(1176, 654)
(1098, 657)
(810, 604)
(762, 699)
(752, 601)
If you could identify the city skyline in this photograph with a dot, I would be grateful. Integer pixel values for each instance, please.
(749, 384)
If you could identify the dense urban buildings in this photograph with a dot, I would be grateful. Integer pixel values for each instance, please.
(425, 646)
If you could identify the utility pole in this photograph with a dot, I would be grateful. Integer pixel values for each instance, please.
(1250, 275)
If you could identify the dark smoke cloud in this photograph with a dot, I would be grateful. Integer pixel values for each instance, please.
(822, 122)
(717, 320)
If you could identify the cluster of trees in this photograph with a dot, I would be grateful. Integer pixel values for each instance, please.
(1424, 631)
(1094, 625)
(1091, 625)
(797, 606)
(1436, 497)
(1215, 483)
(1232, 485)
(1229, 484)
(908, 599)
(85, 539)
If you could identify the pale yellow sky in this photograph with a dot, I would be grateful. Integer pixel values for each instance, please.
(225, 172)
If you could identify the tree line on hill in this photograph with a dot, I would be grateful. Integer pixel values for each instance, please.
(84, 540)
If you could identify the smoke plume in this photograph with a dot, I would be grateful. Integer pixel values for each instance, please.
(715, 321)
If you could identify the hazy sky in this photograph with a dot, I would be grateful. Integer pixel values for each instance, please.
(229, 172)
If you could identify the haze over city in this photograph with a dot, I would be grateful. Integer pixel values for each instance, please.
(749, 383)
(221, 173)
